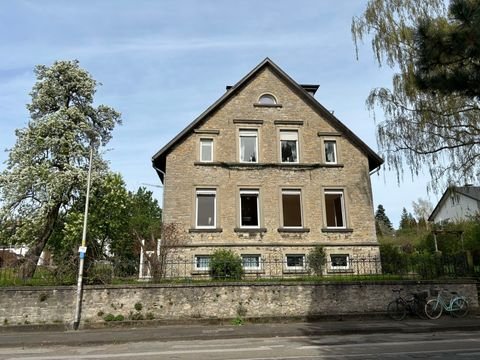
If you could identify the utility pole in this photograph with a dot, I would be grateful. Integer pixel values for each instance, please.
(83, 248)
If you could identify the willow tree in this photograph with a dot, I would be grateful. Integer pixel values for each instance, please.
(421, 128)
(47, 166)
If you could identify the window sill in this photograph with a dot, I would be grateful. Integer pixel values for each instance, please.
(293, 230)
(293, 271)
(250, 231)
(253, 271)
(332, 165)
(340, 271)
(216, 230)
(339, 230)
(200, 272)
(207, 163)
(267, 105)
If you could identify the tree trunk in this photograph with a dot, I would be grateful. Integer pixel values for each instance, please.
(29, 265)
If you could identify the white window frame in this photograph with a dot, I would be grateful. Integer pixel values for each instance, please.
(202, 268)
(250, 192)
(289, 135)
(206, 192)
(346, 267)
(344, 218)
(292, 192)
(203, 142)
(334, 142)
(247, 133)
(249, 268)
(295, 268)
(267, 95)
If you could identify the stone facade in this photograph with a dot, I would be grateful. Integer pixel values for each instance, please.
(296, 111)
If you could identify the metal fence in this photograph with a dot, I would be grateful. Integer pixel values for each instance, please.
(13, 272)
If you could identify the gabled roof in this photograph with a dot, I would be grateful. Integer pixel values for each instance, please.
(472, 192)
(159, 159)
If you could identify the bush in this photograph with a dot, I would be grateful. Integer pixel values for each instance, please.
(109, 317)
(225, 264)
(394, 261)
(316, 260)
(100, 273)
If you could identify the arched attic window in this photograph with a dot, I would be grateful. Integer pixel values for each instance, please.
(267, 99)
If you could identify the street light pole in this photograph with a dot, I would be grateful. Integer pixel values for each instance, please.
(83, 248)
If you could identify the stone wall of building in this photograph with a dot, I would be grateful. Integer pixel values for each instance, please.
(185, 174)
(46, 305)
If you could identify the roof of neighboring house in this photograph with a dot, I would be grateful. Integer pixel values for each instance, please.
(159, 159)
(472, 192)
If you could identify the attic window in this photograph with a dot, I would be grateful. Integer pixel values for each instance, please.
(267, 99)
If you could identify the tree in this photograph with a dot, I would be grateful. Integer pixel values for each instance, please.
(108, 220)
(407, 221)
(383, 225)
(421, 128)
(47, 166)
(146, 214)
(449, 51)
(422, 210)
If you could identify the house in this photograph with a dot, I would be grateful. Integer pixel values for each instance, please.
(458, 203)
(269, 173)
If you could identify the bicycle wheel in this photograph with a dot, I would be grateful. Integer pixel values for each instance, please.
(459, 307)
(433, 309)
(397, 309)
(418, 308)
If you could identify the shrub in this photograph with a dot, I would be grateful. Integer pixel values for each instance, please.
(119, 318)
(225, 264)
(109, 317)
(138, 306)
(100, 273)
(316, 260)
(394, 261)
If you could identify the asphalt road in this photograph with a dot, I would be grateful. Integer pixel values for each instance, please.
(444, 345)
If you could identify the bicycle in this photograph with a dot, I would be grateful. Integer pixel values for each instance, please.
(397, 309)
(457, 306)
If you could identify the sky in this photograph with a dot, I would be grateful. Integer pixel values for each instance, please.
(162, 63)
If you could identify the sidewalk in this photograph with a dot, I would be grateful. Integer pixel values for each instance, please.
(23, 337)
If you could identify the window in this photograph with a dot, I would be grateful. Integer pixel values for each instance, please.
(251, 262)
(338, 261)
(248, 146)
(289, 146)
(292, 208)
(267, 99)
(202, 262)
(295, 262)
(249, 211)
(206, 150)
(206, 209)
(330, 151)
(335, 209)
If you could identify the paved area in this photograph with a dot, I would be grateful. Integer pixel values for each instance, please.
(31, 336)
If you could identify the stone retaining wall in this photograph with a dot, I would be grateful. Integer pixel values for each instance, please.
(47, 305)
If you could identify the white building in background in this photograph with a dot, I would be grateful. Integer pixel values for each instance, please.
(458, 203)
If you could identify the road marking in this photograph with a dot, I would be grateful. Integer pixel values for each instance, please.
(409, 343)
(149, 353)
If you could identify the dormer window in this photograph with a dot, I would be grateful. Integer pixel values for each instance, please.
(267, 99)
